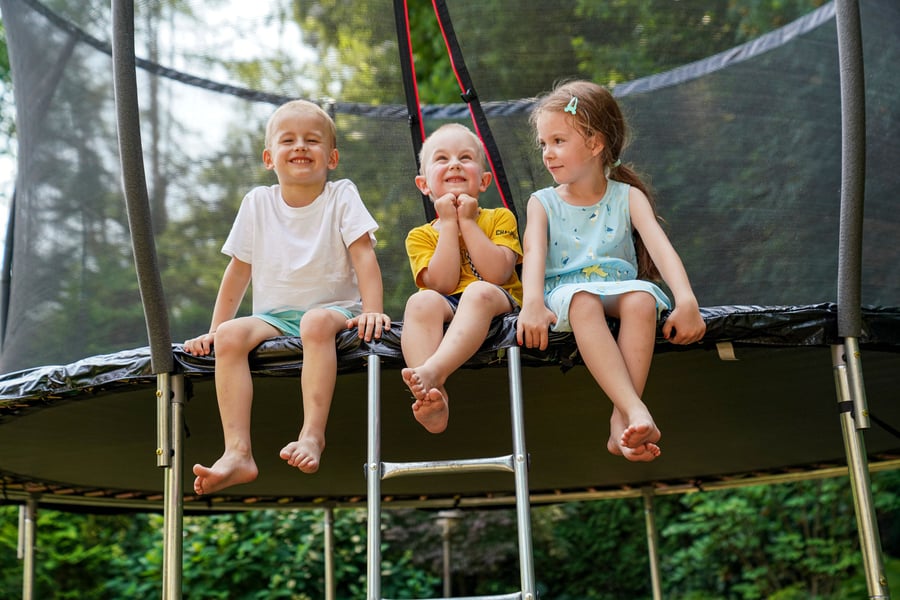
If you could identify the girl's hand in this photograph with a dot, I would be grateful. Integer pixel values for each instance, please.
(684, 325)
(200, 345)
(533, 326)
(370, 325)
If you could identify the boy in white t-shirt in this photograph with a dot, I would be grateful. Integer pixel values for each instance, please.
(307, 247)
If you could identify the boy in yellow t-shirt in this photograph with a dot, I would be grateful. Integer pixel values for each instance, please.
(464, 264)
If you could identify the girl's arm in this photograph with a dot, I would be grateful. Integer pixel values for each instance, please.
(368, 274)
(234, 285)
(685, 325)
(532, 327)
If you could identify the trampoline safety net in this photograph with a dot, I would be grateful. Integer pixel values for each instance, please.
(741, 142)
(742, 147)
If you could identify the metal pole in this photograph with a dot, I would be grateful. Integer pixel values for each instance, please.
(520, 455)
(329, 553)
(855, 449)
(27, 540)
(652, 542)
(446, 519)
(373, 477)
(445, 537)
(173, 508)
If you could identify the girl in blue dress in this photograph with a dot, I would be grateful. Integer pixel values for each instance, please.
(592, 247)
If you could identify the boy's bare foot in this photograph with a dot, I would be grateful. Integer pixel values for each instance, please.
(414, 383)
(433, 412)
(230, 469)
(304, 454)
(431, 407)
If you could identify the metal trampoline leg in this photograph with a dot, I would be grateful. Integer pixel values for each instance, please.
(854, 418)
(652, 542)
(373, 481)
(170, 455)
(27, 539)
(520, 455)
(329, 554)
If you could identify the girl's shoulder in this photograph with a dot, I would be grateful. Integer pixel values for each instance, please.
(548, 198)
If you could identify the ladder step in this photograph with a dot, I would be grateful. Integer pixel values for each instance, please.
(513, 596)
(471, 465)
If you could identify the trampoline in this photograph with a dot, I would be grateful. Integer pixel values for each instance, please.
(748, 154)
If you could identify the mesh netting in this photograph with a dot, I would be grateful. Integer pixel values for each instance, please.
(743, 148)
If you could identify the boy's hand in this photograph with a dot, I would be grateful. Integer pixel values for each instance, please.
(533, 326)
(200, 345)
(370, 325)
(466, 207)
(445, 207)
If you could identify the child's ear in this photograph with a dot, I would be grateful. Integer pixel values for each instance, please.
(267, 160)
(422, 184)
(333, 159)
(596, 144)
(486, 179)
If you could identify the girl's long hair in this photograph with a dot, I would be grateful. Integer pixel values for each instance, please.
(597, 112)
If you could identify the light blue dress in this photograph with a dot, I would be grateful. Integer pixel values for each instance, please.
(590, 249)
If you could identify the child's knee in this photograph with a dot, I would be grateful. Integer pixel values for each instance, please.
(482, 292)
(321, 324)
(231, 338)
(424, 303)
(639, 304)
(587, 302)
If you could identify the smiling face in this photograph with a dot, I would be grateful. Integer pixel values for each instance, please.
(566, 153)
(452, 163)
(300, 146)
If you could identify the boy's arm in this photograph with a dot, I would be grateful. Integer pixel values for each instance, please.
(442, 272)
(234, 285)
(495, 263)
(368, 274)
(685, 319)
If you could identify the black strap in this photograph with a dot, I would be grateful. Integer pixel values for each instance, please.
(410, 87)
(469, 95)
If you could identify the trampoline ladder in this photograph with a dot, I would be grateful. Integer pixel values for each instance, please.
(515, 463)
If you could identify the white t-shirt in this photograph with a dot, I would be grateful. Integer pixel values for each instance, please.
(299, 256)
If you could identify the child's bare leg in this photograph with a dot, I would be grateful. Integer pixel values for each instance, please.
(479, 304)
(637, 316)
(423, 329)
(234, 391)
(318, 329)
(604, 360)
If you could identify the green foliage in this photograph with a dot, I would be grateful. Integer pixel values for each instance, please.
(784, 542)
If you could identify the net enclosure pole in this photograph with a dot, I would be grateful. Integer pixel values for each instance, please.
(149, 282)
(846, 357)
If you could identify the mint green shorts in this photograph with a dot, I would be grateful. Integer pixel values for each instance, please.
(288, 321)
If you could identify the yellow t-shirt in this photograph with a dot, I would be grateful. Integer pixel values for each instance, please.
(499, 224)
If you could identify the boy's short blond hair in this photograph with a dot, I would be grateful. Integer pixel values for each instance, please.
(426, 150)
(303, 107)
